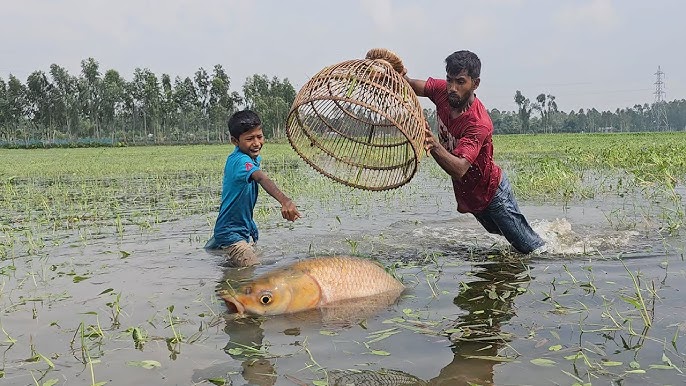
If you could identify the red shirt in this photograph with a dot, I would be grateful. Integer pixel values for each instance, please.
(469, 136)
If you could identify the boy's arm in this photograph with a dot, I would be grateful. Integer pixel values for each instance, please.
(288, 209)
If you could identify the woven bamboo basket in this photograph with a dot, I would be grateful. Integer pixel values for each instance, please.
(360, 123)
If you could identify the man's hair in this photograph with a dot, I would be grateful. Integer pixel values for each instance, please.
(242, 121)
(463, 60)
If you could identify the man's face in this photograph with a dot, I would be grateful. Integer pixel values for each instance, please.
(250, 142)
(460, 88)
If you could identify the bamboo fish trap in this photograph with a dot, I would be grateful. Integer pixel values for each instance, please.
(360, 123)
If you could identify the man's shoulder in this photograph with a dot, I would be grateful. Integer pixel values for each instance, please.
(434, 85)
(479, 115)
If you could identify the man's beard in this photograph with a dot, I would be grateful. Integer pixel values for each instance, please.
(454, 101)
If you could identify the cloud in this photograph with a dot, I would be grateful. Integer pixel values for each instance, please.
(477, 27)
(393, 19)
(380, 11)
(595, 12)
(123, 21)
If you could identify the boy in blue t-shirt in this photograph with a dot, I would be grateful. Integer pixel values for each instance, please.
(235, 226)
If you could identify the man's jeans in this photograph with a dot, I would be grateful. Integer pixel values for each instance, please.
(502, 217)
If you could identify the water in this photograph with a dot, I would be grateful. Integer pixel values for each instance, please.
(474, 313)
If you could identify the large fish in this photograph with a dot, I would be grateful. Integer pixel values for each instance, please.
(314, 283)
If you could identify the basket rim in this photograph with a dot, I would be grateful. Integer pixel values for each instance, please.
(306, 96)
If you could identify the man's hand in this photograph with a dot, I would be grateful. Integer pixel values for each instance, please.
(289, 211)
(430, 141)
(455, 166)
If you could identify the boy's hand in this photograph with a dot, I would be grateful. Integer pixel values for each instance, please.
(289, 211)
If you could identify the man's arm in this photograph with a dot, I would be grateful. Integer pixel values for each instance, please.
(417, 85)
(288, 209)
(455, 166)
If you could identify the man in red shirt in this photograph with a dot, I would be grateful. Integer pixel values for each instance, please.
(464, 149)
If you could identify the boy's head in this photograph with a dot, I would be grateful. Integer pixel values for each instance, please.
(242, 121)
(245, 128)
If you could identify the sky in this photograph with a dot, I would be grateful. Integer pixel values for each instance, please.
(587, 53)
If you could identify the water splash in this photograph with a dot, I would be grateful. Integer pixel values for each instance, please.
(558, 234)
(561, 239)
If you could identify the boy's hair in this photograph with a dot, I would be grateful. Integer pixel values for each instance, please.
(242, 121)
(463, 60)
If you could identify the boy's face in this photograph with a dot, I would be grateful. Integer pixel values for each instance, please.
(250, 142)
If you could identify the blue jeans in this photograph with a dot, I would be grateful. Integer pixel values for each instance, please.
(502, 217)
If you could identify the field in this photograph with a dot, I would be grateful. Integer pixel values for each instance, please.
(104, 279)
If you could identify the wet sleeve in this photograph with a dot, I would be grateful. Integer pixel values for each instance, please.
(471, 142)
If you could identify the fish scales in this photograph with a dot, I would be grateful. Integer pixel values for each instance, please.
(346, 278)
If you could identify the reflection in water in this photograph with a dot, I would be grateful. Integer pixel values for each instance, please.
(246, 335)
(489, 303)
(245, 344)
(476, 344)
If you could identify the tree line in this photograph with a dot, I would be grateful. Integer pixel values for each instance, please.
(542, 116)
(57, 108)
(95, 108)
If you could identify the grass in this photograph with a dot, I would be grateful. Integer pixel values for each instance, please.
(61, 187)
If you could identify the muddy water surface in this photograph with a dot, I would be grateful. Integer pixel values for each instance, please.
(605, 305)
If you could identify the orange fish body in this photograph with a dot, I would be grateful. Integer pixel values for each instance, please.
(313, 283)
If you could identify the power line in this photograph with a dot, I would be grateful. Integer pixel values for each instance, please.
(661, 123)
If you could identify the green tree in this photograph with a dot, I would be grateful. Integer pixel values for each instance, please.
(17, 107)
(4, 112)
(113, 101)
(90, 93)
(505, 122)
(146, 99)
(38, 104)
(202, 91)
(271, 99)
(676, 114)
(167, 108)
(524, 112)
(551, 112)
(222, 102)
(65, 101)
(186, 102)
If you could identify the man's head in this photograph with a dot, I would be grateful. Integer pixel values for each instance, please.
(245, 128)
(463, 71)
(463, 60)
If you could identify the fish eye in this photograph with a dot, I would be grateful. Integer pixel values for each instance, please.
(266, 298)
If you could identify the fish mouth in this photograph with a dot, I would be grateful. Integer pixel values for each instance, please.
(234, 306)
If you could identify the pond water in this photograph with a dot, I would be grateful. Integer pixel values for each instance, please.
(603, 306)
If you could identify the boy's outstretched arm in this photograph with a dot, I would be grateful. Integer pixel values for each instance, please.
(288, 209)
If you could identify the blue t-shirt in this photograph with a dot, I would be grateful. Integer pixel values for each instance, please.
(239, 195)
